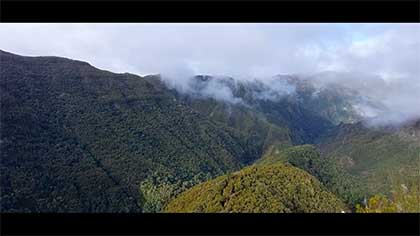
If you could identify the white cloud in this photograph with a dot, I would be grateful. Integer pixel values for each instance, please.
(177, 51)
(228, 49)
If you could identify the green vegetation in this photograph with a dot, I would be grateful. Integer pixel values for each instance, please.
(404, 199)
(256, 113)
(78, 139)
(377, 157)
(156, 191)
(272, 188)
(332, 176)
(331, 103)
(252, 127)
(301, 155)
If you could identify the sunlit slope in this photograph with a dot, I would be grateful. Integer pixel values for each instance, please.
(271, 188)
(335, 178)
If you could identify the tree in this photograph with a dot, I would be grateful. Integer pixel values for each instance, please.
(403, 199)
(155, 197)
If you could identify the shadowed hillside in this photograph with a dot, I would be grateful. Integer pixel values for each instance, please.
(75, 138)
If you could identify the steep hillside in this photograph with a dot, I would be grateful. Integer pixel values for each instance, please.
(78, 139)
(74, 138)
(381, 157)
(275, 188)
(334, 177)
(249, 124)
(356, 161)
(290, 104)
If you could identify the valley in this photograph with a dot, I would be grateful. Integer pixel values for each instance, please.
(75, 138)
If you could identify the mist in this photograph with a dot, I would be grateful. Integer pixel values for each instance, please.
(380, 101)
(378, 62)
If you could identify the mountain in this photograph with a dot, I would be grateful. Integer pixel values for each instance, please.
(75, 138)
(333, 176)
(78, 139)
(292, 104)
(355, 161)
(251, 127)
(313, 112)
(259, 189)
(380, 157)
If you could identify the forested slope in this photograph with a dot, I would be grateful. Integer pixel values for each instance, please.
(276, 188)
(349, 188)
(382, 157)
(75, 138)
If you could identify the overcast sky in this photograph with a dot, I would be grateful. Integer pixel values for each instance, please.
(390, 50)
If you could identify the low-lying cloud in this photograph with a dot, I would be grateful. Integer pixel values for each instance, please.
(379, 61)
(381, 101)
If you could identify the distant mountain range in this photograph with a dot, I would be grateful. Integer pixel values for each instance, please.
(78, 139)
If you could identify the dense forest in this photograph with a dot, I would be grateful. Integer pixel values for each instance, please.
(74, 138)
(269, 188)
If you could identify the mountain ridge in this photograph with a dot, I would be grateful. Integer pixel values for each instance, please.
(75, 138)
(97, 128)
